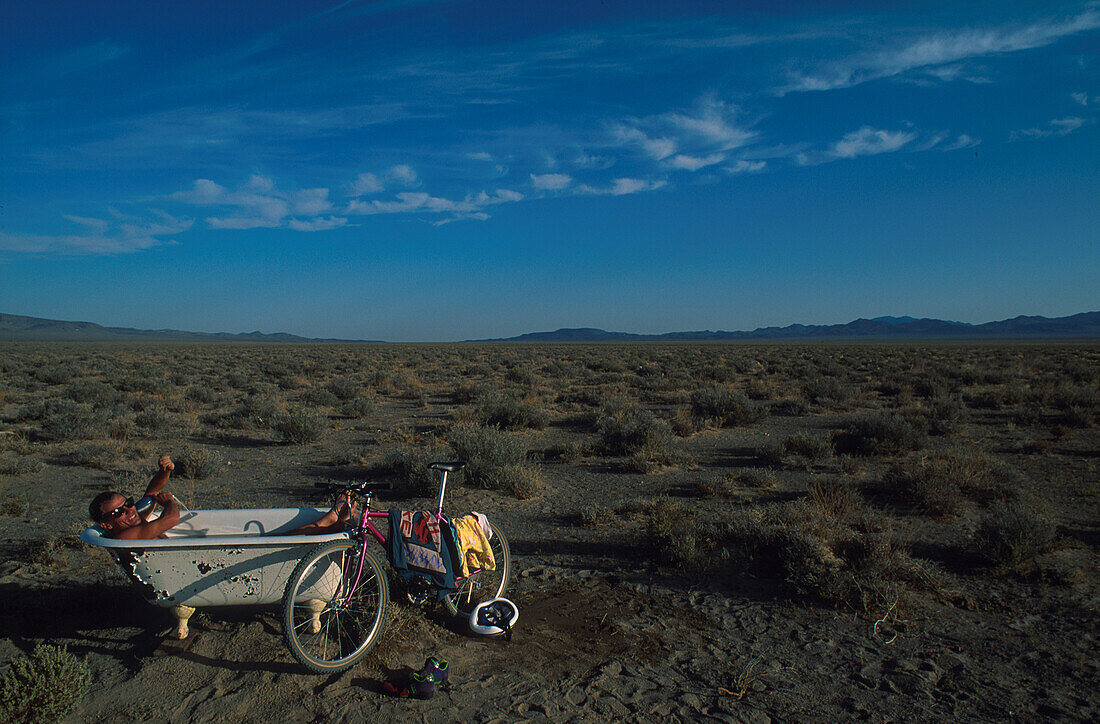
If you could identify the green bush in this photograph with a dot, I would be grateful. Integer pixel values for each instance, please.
(298, 425)
(44, 686)
(626, 429)
(90, 391)
(358, 407)
(195, 463)
(672, 532)
(256, 411)
(411, 466)
(495, 460)
(55, 374)
(66, 421)
(940, 483)
(722, 407)
(154, 420)
(509, 412)
(319, 397)
(821, 390)
(94, 455)
(1013, 531)
(878, 434)
(809, 446)
(343, 388)
(13, 464)
(201, 394)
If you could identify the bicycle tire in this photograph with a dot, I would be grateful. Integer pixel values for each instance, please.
(327, 635)
(484, 585)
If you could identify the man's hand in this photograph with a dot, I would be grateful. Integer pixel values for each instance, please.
(166, 464)
(164, 498)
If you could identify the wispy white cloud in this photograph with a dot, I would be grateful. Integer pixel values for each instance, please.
(471, 207)
(310, 202)
(318, 224)
(686, 140)
(869, 141)
(1055, 127)
(744, 166)
(1080, 98)
(79, 60)
(402, 175)
(122, 234)
(366, 184)
(551, 181)
(694, 163)
(940, 52)
(259, 204)
(962, 141)
(622, 187)
(240, 223)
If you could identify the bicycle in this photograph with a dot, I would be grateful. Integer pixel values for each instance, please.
(336, 601)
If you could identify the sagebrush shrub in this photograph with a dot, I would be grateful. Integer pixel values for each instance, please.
(196, 463)
(1013, 531)
(44, 686)
(811, 447)
(298, 425)
(410, 465)
(878, 434)
(94, 455)
(201, 394)
(627, 429)
(358, 407)
(495, 460)
(319, 397)
(509, 412)
(939, 483)
(344, 388)
(722, 407)
(66, 421)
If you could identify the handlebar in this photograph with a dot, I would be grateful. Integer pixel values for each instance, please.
(360, 487)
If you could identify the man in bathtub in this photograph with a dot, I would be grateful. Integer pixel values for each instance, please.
(127, 519)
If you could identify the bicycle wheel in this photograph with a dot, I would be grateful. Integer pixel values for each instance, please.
(483, 585)
(327, 627)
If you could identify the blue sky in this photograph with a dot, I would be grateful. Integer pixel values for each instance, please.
(436, 171)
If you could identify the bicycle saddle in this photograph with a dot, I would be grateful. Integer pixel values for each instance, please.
(450, 467)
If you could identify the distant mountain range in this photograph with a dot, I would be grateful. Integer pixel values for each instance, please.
(15, 328)
(1078, 326)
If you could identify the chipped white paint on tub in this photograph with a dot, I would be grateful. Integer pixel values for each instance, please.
(215, 557)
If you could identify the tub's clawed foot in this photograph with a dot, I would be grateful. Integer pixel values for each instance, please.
(316, 606)
(182, 613)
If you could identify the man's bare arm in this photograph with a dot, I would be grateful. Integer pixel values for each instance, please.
(156, 485)
(153, 528)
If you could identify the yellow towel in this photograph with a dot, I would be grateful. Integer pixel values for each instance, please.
(473, 545)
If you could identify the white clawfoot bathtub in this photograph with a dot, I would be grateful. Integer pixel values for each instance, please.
(215, 558)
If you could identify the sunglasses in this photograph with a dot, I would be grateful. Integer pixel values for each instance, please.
(121, 510)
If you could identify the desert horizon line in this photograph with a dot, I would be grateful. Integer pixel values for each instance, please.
(15, 326)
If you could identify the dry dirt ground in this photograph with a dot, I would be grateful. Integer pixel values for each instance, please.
(639, 598)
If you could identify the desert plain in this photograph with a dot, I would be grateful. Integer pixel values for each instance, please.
(699, 532)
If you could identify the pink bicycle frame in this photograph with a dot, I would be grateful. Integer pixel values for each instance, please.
(366, 526)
